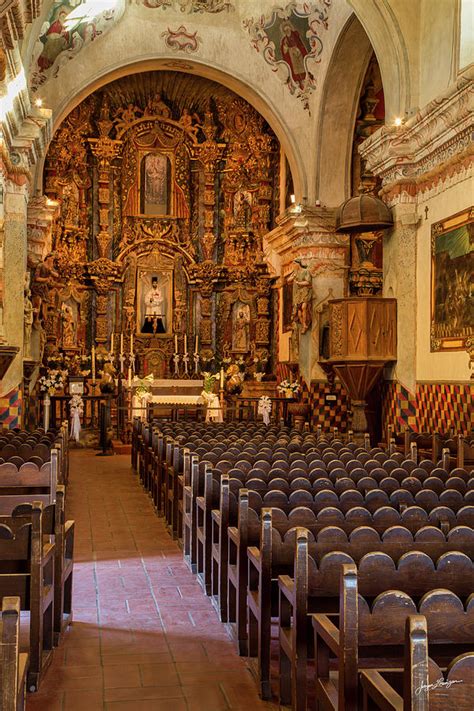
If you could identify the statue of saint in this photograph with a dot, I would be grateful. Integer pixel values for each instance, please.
(28, 313)
(241, 329)
(154, 309)
(302, 296)
(69, 327)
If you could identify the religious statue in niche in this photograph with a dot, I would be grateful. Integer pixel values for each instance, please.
(240, 327)
(243, 208)
(155, 184)
(302, 296)
(69, 339)
(154, 297)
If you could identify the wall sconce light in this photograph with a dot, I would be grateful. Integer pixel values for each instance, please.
(292, 199)
(398, 122)
(38, 103)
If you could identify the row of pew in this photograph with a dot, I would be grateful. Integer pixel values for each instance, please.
(326, 555)
(36, 562)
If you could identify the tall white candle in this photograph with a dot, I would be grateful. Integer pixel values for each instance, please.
(112, 343)
(93, 362)
(196, 344)
(175, 343)
(129, 376)
(121, 343)
(185, 343)
(131, 342)
(222, 379)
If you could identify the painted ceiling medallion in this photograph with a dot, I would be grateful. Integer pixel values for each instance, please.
(190, 6)
(290, 41)
(182, 40)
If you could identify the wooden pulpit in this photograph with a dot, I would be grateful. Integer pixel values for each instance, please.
(363, 339)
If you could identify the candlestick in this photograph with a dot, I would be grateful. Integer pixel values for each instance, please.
(196, 363)
(185, 361)
(121, 343)
(175, 343)
(122, 361)
(93, 362)
(176, 364)
(129, 376)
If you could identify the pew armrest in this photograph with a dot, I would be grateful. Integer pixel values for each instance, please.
(254, 556)
(380, 691)
(324, 628)
(216, 516)
(233, 534)
(286, 586)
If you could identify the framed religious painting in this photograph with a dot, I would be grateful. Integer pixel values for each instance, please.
(287, 304)
(452, 269)
(154, 302)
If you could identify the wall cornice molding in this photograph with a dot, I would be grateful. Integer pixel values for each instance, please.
(434, 145)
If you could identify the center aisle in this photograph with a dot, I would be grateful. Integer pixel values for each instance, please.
(145, 637)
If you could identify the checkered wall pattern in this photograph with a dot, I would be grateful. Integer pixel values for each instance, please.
(10, 409)
(327, 411)
(440, 407)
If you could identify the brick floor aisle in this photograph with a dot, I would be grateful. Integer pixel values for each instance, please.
(145, 637)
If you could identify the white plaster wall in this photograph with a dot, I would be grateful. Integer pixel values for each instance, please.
(14, 274)
(437, 366)
(400, 279)
(438, 47)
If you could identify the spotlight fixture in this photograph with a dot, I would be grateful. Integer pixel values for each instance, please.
(39, 103)
(398, 121)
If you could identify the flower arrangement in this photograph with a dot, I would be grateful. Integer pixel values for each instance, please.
(289, 389)
(143, 389)
(76, 404)
(52, 381)
(209, 380)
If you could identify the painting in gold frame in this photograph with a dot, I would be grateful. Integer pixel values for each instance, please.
(452, 288)
(154, 302)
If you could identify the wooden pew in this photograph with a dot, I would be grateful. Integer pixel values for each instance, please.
(423, 685)
(314, 587)
(56, 528)
(363, 637)
(14, 664)
(275, 556)
(28, 484)
(27, 570)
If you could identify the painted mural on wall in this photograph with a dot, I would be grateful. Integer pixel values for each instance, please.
(70, 26)
(190, 6)
(290, 41)
(452, 295)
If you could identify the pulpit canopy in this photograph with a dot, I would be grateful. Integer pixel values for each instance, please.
(364, 213)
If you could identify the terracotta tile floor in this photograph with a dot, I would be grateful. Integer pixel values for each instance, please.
(144, 637)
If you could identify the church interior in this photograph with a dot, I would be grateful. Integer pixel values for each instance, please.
(236, 355)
